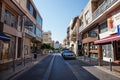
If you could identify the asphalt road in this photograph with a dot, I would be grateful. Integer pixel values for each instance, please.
(54, 67)
(36, 72)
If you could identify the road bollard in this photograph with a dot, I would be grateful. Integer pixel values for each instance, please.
(110, 64)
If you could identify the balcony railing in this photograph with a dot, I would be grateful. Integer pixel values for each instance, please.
(104, 6)
(81, 28)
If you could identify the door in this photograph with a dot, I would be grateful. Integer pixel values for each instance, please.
(5, 50)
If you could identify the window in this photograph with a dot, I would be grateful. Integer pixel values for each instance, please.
(93, 33)
(38, 32)
(85, 46)
(31, 8)
(92, 46)
(39, 20)
(10, 19)
(20, 24)
(87, 17)
(103, 27)
(107, 50)
(31, 28)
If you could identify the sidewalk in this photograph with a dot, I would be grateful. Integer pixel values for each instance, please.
(104, 66)
(5, 75)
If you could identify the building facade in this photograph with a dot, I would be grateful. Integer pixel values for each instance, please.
(47, 38)
(96, 26)
(73, 35)
(98, 29)
(20, 30)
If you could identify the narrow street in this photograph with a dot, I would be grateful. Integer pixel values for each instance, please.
(63, 70)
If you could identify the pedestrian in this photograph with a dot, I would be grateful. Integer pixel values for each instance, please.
(35, 56)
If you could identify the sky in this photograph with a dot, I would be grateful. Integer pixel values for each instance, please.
(57, 15)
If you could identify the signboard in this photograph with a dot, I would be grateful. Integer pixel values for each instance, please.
(118, 29)
(113, 23)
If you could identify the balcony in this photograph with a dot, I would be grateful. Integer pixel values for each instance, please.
(73, 37)
(103, 7)
(10, 30)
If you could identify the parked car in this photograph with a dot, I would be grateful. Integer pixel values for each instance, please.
(67, 54)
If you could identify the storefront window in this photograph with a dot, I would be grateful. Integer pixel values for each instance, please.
(94, 55)
(5, 50)
(107, 50)
(85, 48)
(92, 46)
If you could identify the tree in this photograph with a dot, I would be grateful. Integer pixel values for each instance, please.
(46, 46)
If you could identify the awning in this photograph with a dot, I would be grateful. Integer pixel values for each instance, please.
(4, 37)
(107, 39)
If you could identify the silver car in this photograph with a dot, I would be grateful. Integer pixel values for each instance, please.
(67, 54)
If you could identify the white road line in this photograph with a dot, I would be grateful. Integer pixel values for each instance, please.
(47, 74)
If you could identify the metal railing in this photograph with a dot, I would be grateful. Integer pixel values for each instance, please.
(104, 6)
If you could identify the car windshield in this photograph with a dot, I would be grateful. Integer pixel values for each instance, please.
(67, 51)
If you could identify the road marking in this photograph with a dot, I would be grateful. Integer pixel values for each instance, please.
(47, 74)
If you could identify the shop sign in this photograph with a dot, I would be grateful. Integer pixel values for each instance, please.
(105, 34)
(118, 29)
(113, 22)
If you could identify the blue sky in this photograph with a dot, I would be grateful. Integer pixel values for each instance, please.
(57, 15)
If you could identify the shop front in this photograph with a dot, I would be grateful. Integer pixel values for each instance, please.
(4, 46)
(110, 39)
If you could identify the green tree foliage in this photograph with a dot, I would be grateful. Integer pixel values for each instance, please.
(46, 46)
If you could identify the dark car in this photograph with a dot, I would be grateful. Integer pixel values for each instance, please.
(67, 54)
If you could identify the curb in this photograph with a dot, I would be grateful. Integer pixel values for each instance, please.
(114, 73)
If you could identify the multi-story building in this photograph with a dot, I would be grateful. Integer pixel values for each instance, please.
(73, 35)
(98, 29)
(20, 29)
(47, 38)
(56, 45)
